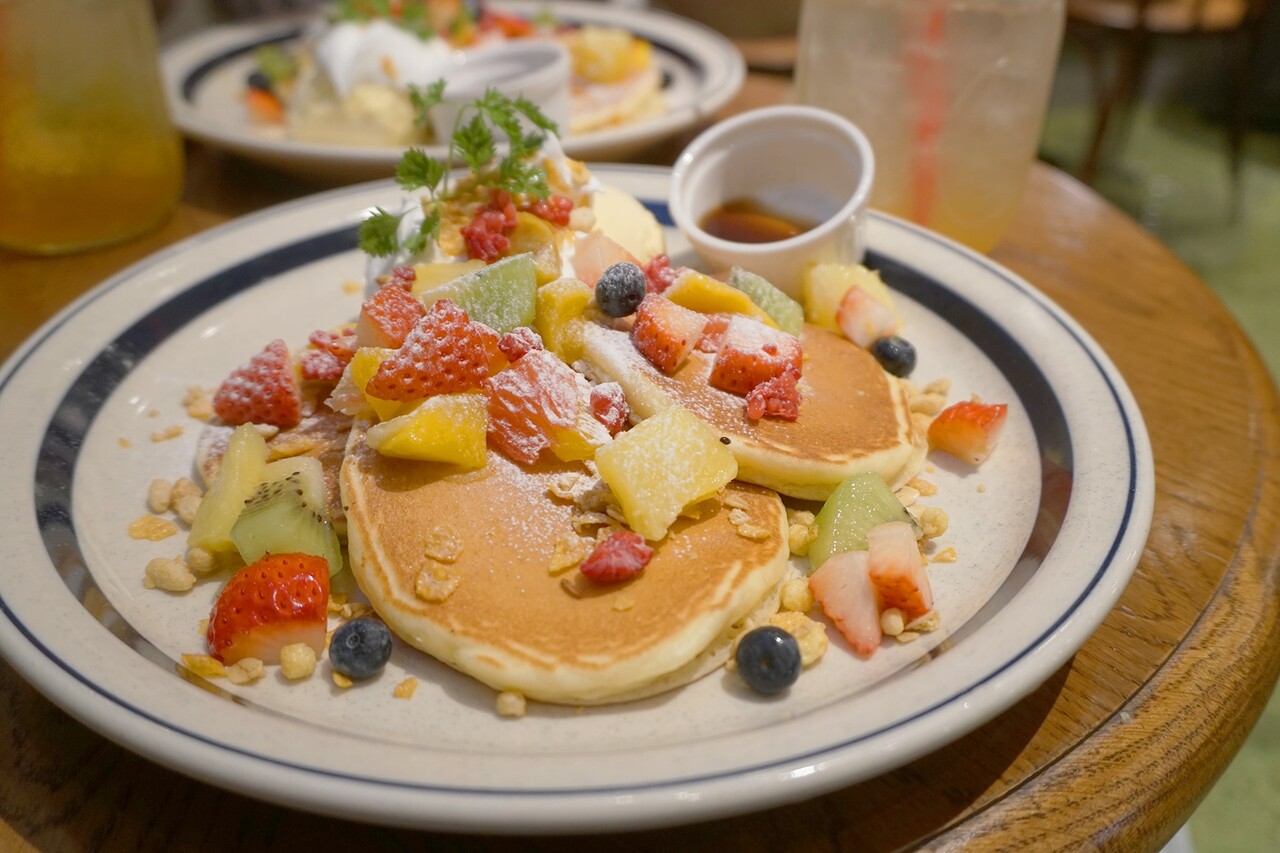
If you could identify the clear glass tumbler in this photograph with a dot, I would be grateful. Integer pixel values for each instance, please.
(951, 93)
(88, 155)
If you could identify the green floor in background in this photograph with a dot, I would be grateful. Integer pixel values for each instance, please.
(1169, 170)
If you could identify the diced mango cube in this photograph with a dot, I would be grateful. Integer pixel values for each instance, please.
(825, 286)
(559, 317)
(364, 364)
(535, 235)
(443, 428)
(706, 295)
(662, 465)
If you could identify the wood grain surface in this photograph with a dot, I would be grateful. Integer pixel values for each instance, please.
(1114, 751)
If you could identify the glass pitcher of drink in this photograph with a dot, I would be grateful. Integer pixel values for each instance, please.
(87, 153)
(951, 93)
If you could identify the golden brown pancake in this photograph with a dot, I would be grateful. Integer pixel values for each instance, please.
(854, 416)
(513, 623)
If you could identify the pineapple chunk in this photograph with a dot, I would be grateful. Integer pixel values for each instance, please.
(559, 317)
(364, 364)
(430, 276)
(826, 284)
(239, 473)
(704, 294)
(662, 465)
(444, 428)
(534, 235)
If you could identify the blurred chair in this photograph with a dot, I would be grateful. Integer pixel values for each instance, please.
(1134, 22)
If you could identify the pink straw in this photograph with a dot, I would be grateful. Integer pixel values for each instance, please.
(926, 83)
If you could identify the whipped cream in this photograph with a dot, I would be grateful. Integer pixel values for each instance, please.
(381, 54)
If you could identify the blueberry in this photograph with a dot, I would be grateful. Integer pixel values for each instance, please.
(620, 289)
(259, 80)
(895, 354)
(360, 648)
(768, 659)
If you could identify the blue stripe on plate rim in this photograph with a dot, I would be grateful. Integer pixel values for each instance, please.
(196, 75)
(86, 396)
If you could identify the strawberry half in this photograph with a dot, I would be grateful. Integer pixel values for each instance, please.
(751, 353)
(842, 585)
(387, 317)
(665, 332)
(445, 352)
(279, 600)
(263, 391)
(968, 430)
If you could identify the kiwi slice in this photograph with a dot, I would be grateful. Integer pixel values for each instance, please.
(859, 503)
(286, 515)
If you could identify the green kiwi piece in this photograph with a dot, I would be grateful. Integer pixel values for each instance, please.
(858, 504)
(286, 515)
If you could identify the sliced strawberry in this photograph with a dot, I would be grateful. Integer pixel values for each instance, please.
(863, 318)
(445, 352)
(279, 600)
(402, 277)
(594, 253)
(341, 345)
(659, 273)
(620, 557)
(665, 332)
(778, 397)
(713, 332)
(609, 406)
(519, 341)
(897, 569)
(387, 317)
(843, 587)
(968, 430)
(554, 209)
(750, 353)
(317, 365)
(530, 401)
(263, 391)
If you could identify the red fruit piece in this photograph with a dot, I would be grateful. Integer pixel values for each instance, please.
(897, 570)
(317, 365)
(528, 402)
(618, 558)
(665, 332)
(863, 318)
(843, 587)
(594, 253)
(263, 391)
(387, 317)
(609, 406)
(486, 236)
(519, 341)
(554, 209)
(341, 346)
(279, 600)
(713, 333)
(445, 352)
(778, 397)
(968, 430)
(402, 277)
(659, 273)
(751, 353)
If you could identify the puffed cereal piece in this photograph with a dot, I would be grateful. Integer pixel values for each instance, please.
(892, 622)
(933, 522)
(159, 496)
(184, 486)
(510, 704)
(201, 560)
(297, 661)
(169, 574)
(246, 671)
(810, 636)
(796, 595)
(186, 507)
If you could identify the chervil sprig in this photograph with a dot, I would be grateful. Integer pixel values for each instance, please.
(475, 143)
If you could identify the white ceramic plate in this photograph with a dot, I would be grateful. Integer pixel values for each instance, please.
(1046, 533)
(205, 78)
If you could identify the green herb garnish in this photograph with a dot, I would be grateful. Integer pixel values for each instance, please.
(475, 143)
(410, 15)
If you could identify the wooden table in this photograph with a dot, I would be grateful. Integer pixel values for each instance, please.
(1115, 750)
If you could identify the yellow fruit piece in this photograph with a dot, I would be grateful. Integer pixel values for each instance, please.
(559, 317)
(662, 465)
(364, 364)
(534, 235)
(826, 284)
(607, 54)
(239, 474)
(444, 428)
(706, 295)
(583, 439)
(430, 276)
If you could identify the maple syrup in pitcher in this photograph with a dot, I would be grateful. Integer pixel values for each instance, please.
(744, 220)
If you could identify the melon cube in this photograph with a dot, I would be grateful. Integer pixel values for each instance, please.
(662, 465)
(858, 504)
(430, 276)
(559, 320)
(444, 428)
(785, 311)
(706, 295)
(501, 295)
(825, 286)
